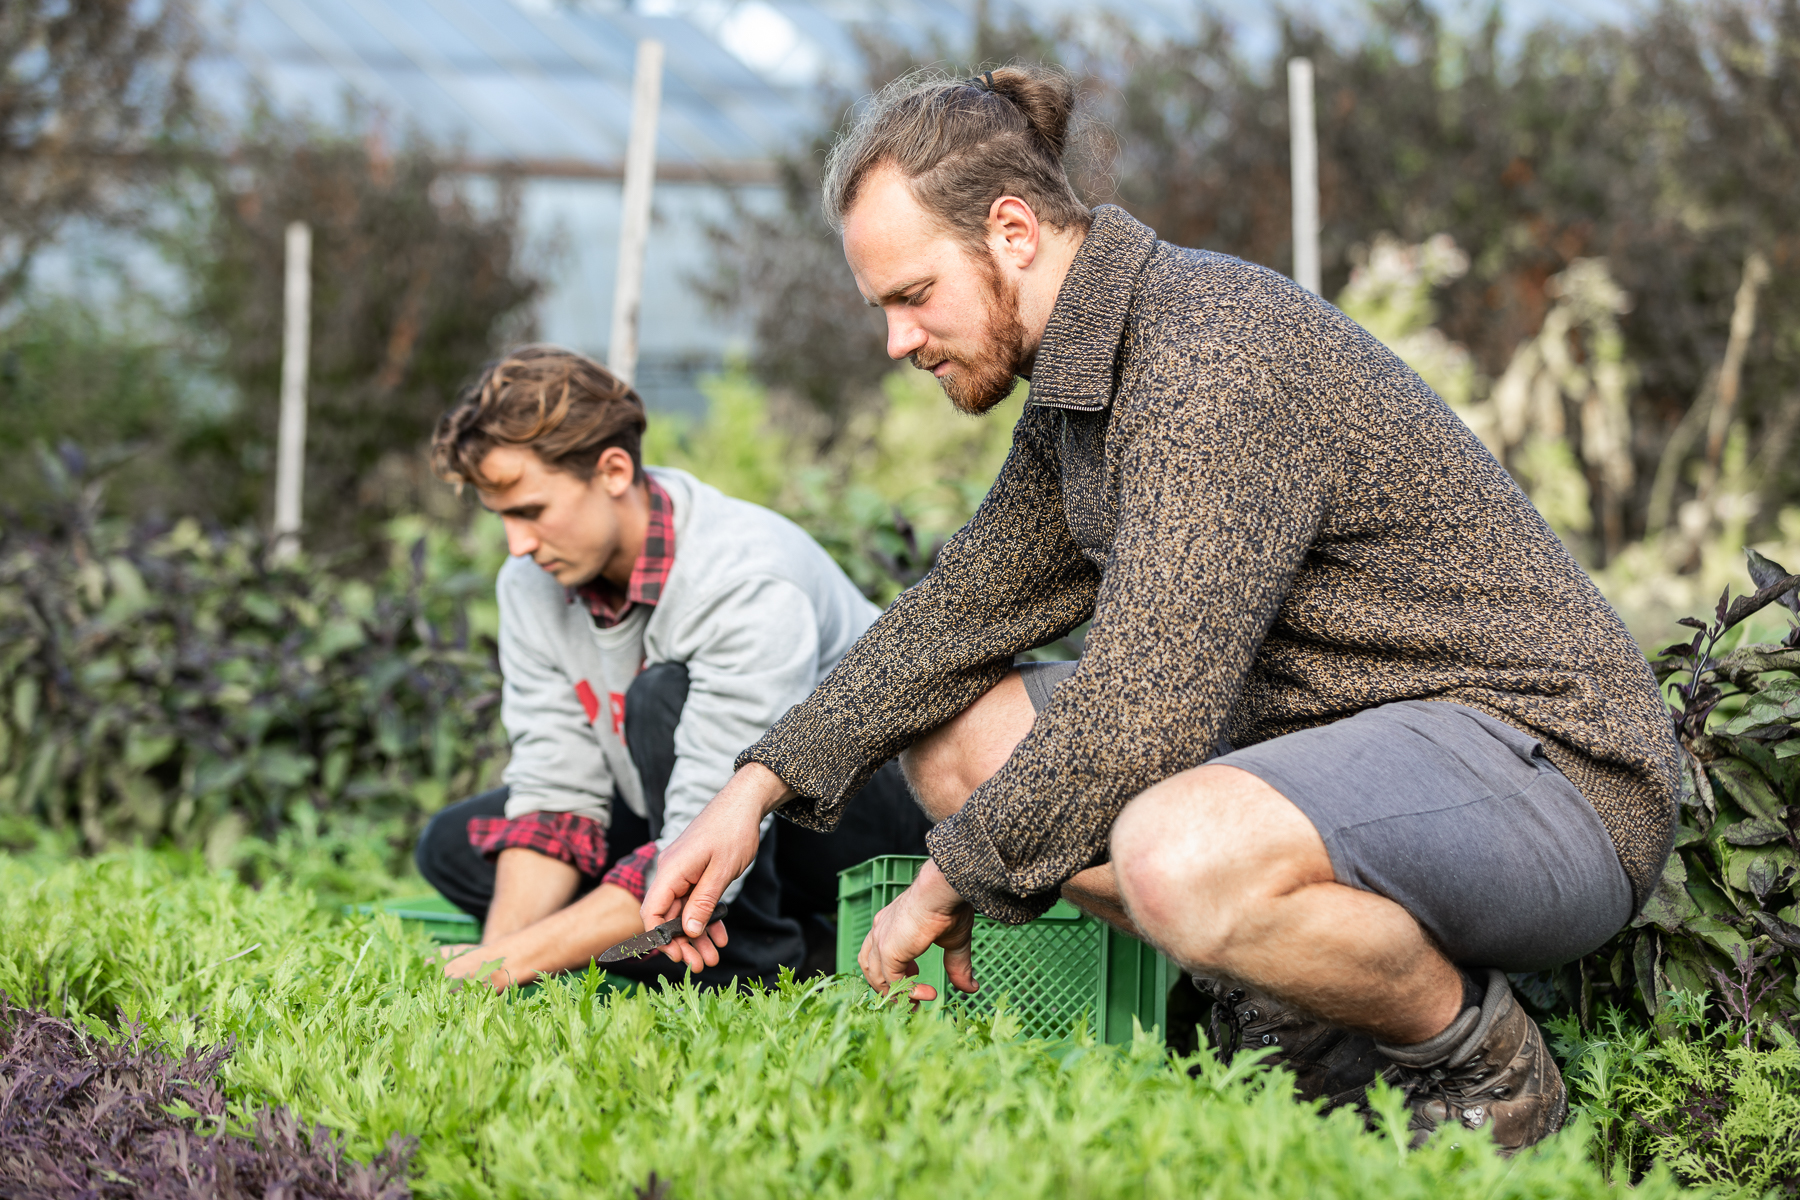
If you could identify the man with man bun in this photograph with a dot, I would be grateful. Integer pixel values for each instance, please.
(1352, 733)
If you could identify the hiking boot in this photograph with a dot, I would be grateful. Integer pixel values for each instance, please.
(1489, 1070)
(1329, 1062)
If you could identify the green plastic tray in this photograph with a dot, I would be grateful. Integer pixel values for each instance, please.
(1051, 971)
(446, 923)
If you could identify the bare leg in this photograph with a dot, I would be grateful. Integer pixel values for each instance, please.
(528, 887)
(1224, 874)
(946, 766)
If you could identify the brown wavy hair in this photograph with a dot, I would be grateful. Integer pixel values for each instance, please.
(562, 406)
(961, 144)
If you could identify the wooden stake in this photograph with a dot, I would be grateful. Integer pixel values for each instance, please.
(634, 226)
(1304, 140)
(296, 338)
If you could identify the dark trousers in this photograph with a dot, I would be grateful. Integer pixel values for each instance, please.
(789, 897)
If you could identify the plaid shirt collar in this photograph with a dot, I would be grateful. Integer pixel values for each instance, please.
(648, 575)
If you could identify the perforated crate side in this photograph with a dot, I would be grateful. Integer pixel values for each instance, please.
(1051, 970)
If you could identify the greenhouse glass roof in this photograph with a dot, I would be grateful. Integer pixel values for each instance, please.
(543, 88)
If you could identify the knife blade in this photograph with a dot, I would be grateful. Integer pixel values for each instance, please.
(655, 938)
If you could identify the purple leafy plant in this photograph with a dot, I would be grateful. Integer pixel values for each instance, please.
(86, 1119)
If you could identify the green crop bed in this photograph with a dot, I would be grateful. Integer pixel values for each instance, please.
(809, 1090)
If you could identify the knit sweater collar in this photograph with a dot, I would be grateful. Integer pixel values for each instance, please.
(1077, 359)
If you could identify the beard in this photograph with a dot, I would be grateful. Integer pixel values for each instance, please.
(986, 375)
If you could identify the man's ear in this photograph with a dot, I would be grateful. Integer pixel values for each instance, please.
(616, 471)
(1013, 231)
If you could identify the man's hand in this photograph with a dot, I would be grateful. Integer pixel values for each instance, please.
(699, 865)
(466, 962)
(928, 913)
(569, 938)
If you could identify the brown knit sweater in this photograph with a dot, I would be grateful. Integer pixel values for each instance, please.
(1274, 524)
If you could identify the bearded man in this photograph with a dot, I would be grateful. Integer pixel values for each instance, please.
(1352, 733)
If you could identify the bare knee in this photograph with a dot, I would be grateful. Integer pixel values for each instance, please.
(1164, 871)
(935, 773)
(946, 765)
(1202, 856)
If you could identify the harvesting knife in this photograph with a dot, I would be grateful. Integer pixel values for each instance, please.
(655, 939)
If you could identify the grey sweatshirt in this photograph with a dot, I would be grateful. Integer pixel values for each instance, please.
(753, 606)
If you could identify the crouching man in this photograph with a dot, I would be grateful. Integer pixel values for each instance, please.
(650, 627)
(1352, 735)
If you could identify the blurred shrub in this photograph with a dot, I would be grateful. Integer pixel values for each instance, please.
(70, 377)
(1725, 917)
(418, 277)
(170, 684)
(94, 92)
(1661, 147)
(784, 268)
(881, 496)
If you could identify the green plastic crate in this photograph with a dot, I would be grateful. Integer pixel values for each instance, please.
(1051, 971)
(446, 923)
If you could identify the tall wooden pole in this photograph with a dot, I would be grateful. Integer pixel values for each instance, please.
(1304, 141)
(634, 227)
(296, 338)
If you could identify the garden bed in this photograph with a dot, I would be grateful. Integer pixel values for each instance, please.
(809, 1089)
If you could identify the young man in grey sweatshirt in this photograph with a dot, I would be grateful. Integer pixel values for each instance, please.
(650, 628)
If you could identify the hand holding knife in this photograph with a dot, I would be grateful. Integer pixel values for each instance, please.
(655, 938)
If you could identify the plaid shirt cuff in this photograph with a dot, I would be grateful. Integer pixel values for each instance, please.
(567, 837)
(633, 871)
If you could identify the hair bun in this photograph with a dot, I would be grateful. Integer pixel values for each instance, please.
(1045, 98)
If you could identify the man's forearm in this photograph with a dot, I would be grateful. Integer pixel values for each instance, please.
(566, 939)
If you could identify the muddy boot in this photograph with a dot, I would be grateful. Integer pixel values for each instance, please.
(1490, 1070)
(1329, 1062)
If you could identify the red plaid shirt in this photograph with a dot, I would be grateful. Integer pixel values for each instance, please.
(604, 601)
(567, 837)
(577, 840)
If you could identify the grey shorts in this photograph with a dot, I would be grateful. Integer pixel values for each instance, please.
(1457, 817)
